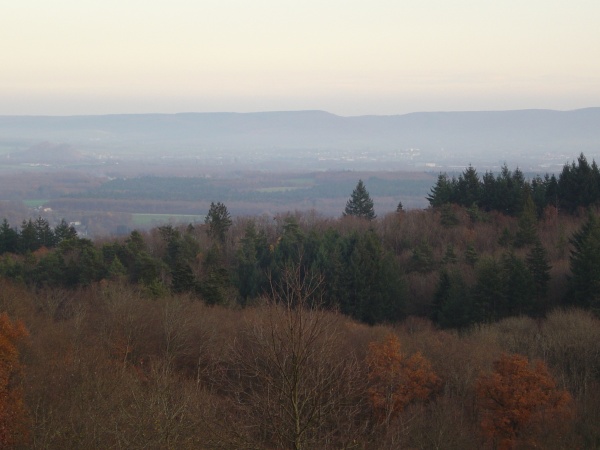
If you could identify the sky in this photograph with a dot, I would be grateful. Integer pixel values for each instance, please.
(348, 57)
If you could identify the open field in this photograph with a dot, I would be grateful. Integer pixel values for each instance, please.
(137, 195)
(149, 220)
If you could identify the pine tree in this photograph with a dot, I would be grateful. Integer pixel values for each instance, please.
(527, 232)
(450, 255)
(519, 286)
(9, 238)
(452, 306)
(537, 262)
(584, 283)
(468, 187)
(116, 269)
(248, 272)
(218, 221)
(360, 203)
(44, 234)
(443, 192)
(448, 217)
(471, 256)
(28, 241)
(489, 293)
(63, 231)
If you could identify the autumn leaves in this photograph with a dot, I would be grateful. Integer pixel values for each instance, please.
(516, 402)
(13, 418)
(297, 377)
(397, 380)
(519, 401)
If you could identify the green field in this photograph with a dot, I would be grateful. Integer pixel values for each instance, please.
(144, 220)
(34, 203)
(278, 189)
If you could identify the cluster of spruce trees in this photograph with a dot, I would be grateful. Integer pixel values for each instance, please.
(578, 186)
(504, 287)
(33, 235)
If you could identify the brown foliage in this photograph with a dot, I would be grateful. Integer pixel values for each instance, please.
(13, 418)
(396, 380)
(289, 383)
(519, 402)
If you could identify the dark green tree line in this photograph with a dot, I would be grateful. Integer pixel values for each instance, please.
(578, 186)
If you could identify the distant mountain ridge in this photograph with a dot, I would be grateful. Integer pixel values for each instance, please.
(524, 132)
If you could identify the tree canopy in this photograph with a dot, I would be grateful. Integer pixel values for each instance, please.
(360, 203)
(218, 221)
(578, 186)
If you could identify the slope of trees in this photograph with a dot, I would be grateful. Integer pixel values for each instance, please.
(306, 332)
(113, 366)
(454, 264)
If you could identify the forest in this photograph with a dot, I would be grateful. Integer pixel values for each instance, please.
(470, 324)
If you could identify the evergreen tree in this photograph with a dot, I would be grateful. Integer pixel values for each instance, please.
(218, 221)
(443, 192)
(474, 213)
(28, 241)
(450, 255)
(471, 256)
(539, 189)
(448, 217)
(452, 306)
(584, 282)
(469, 187)
(64, 231)
(519, 287)
(551, 190)
(422, 258)
(489, 292)
(489, 192)
(182, 278)
(44, 234)
(215, 281)
(538, 265)
(579, 185)
(360, 203)
(250, 277)
(507, 195)
(527, 232)
(9, 238)
(371, 287)
(290, 247)
(49, 271)
(506, 238)
(181, 252)
(116, 269)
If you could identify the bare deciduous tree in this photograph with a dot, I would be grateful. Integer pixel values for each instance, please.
(290, 385)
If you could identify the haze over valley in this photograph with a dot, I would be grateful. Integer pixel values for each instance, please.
(309, 140)
(118, 172)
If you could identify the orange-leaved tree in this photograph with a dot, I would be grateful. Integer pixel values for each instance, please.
(13, 427)
(396, 380)
(518, 401)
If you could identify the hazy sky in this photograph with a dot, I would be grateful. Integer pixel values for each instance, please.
(349, 57)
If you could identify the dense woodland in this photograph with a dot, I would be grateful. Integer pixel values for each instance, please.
(471, 324)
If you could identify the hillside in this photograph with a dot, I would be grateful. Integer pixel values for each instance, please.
(527, 137)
